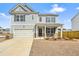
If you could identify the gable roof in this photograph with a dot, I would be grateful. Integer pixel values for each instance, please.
(75, 16)
(23, 6)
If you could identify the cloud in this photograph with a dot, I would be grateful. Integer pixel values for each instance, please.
(77, 8)
(4, 20)
(57, 8)
(3, 15)
(66, 23)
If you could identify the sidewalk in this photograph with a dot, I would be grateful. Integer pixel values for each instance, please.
(16, 47)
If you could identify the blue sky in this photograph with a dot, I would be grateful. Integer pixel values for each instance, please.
(65, 11)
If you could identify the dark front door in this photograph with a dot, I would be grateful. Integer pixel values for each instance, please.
(40, 31)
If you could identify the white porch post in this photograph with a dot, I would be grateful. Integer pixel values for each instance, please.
(36, 31)
(45, 31)
(61, 35)
(56, 33)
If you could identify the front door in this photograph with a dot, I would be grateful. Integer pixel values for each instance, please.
(40, 32)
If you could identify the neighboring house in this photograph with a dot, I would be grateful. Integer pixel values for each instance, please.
(6, 30)
(25, 22)
(2, 30)
(75, 22)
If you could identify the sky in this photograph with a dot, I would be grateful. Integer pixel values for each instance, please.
(66, 11)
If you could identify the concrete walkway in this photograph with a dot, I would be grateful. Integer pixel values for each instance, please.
(16, 47)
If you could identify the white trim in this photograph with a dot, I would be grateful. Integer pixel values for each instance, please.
(61, 32)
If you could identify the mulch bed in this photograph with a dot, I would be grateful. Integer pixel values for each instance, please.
(54, 48)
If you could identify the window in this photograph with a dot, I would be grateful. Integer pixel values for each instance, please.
(50, 31)
(40, 19)
(16, 18)
(19, 18)
(22, 17)
(52, 19)
(53, 30)
(47, 19)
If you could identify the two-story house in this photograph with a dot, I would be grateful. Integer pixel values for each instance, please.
(25, 22)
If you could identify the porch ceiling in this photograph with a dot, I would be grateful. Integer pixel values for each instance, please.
(49, 24)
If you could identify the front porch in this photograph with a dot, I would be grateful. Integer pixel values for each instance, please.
(47, 30)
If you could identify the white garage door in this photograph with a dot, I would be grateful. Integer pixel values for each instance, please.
(23, 33)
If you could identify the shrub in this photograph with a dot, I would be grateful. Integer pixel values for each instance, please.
(47, 38)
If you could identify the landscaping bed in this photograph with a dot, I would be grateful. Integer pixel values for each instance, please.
(55, 48)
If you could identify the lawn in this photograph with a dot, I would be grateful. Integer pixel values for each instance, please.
(55, 48)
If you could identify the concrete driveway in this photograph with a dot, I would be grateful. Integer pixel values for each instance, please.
(16, 47)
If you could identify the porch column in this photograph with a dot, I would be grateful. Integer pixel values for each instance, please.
(61, 35)
(45, 31)
(56, 33)
(36, 31)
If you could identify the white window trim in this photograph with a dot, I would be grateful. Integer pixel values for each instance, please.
(50, 19)
(15, 19)
(47, 19)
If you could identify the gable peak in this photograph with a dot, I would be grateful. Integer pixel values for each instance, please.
(23, 6)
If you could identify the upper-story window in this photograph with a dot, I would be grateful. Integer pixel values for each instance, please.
(40, 19)
(19, 18)
(16, 18)
(52, 19)
(47, 19)
(22, 17)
